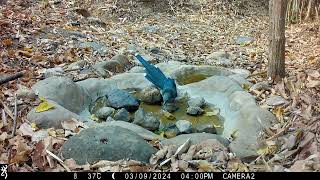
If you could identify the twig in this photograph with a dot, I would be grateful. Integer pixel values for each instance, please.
(15, 115)
(266, 164)
(4, 117)
(7, 110)
(58, 159)
(11, 77)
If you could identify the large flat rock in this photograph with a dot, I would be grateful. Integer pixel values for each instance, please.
(106, 143)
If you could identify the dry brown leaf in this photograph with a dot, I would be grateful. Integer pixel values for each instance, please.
(70, 125)
(38, 157)
(3, 136)
(22, 152)
(26, 130)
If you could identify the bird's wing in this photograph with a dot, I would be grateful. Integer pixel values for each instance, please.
(153, 74)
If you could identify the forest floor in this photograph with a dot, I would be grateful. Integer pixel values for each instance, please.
(185, 34)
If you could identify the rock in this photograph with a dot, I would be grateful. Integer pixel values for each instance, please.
(204, 127)
(260, 86)
(39, 135)
(196, 102)
(194, 111)
(109, 118)
(24, 92)
(170, 107)
(219, 58)
(112, 66)
(136, 69)
(240, 80)
(171, 131)
(58, 71)
(106, 143)
(97, 47)
(219, 55)
(244, 40)
(51, 118)
(150, 28)
(122, 99)
(100, 69)
(195, 138)
(275, 100)
(69, 33)
(184, 126)
(122, 115)
(98, 104)
(155, 50)
(122, 60)
(96, 21)
(104, 112)
(146, 120)
(146, 134)
(242, 72)
(63, 91)
(151, 95)
(76, 65)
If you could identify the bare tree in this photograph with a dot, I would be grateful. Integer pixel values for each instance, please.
(276, 63)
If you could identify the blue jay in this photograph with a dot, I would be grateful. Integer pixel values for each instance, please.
(166, 85)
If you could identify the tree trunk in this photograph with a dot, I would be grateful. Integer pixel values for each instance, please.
(276, 63)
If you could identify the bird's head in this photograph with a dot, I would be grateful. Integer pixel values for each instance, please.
(166, 98)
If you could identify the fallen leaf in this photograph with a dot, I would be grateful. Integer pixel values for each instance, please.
(26, 130)
(7, 42)
(22, 152)
(38, 157)
(267, 150)
(3, 136)
(44, 106)
(69, 125)
(52, 132)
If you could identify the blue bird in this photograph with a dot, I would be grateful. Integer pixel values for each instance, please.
(166, 85)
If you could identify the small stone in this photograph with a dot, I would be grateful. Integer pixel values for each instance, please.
(97, 47)
(110, 119)
(104, 112)
(24, 92)
(244, 40)
(170, 107)
(146, 120)
(194, 111)
(150, 28)
(110, 65)
(171, 131)
(275, 101)
(122, 99)
(122, 115)
(260, 86)
(58, 71)
(151, 95)
(197, 102)
(76, 65)
(155, 50)
(184, 126)
(96, 21)
(98, 104)
(122, 60)
(207, 128)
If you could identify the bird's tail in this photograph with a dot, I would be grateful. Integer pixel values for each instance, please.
(153, 74)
